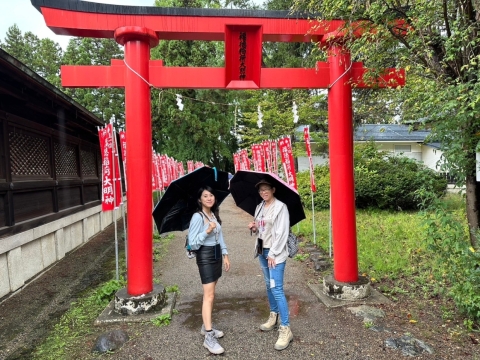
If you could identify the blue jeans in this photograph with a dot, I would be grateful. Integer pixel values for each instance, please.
(274, 284)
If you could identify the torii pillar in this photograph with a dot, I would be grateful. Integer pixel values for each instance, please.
(137, 42)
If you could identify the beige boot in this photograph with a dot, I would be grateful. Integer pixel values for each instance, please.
(284, 337)
(271, 322)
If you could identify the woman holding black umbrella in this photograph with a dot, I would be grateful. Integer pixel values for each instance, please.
(272, 225)
(206, 237)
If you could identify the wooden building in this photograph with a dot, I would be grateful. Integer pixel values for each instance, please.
(50, 174)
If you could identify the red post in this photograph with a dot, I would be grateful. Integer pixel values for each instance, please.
(340, 130)
(137, 42)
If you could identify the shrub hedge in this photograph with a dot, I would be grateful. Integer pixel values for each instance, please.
(382, 181)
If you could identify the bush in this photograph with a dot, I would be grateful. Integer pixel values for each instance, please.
(382, 181)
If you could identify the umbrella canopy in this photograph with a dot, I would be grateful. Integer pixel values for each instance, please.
(179, 203)
(242, 188)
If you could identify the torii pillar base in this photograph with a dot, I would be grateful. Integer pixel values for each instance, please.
(126, 304)
(347, 291)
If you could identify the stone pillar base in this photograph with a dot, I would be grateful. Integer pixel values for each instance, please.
(126, 304)
(346, 291)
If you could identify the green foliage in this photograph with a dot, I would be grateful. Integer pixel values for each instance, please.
(321, 197)
(386, 181)
(455, 259)
(382, 181)
(105, 293)
(161, 320)
(172, 288)
(438, 44)
(301, 257)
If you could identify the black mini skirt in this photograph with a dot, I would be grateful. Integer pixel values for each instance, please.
(209, 261)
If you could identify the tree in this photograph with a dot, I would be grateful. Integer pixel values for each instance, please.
(107, 104)
(41, 55)
(438, 44)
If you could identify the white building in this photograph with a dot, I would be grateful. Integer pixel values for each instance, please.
(394, 138)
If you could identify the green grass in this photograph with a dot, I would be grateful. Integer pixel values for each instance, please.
(389, 244)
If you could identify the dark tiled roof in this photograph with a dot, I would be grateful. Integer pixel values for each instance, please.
(388, 132)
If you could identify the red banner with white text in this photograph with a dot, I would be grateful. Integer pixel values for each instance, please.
(287, 160)
(306, 135)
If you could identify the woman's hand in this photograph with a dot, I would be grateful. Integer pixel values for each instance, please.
(271, 262)
(211, 226)
(252, 226)
(226, 262)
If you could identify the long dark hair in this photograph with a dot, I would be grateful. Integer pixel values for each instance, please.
(215, 208)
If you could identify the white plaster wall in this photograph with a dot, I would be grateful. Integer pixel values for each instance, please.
(303, 163)
(4, 278)
(431, 156)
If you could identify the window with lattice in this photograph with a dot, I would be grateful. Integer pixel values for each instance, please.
(89, 164)
(66, 164)
(29, 155)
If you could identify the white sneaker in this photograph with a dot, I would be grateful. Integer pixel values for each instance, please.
(217, 333)
(211, 343)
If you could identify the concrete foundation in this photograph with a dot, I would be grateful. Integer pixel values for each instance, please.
(126, 304)
(346, 291)
(26, 255)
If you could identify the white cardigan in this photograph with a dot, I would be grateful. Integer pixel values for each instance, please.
(280, 231)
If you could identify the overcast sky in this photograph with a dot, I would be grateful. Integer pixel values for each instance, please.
(27, 18)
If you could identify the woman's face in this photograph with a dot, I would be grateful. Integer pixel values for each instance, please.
(207, 199)
(266, 192)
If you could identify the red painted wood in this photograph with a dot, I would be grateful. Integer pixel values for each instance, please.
(65, 22)
(340, 130)
(215, 78)
(138, 126)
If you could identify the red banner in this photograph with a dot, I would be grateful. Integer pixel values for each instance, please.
(306, 135)
(123, 149)
(163, 168)
(181, 170)
(268, 155)
(244, 160)
(287, 160)
(236, 161)
(190, 166)
(273, 151)
(111, 196)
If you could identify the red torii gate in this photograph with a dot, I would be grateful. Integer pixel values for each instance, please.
(139, 29)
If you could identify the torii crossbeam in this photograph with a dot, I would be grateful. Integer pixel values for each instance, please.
(140, 28)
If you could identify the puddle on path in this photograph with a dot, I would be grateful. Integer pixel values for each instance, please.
(249, 307)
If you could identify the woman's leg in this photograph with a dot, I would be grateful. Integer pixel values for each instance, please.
(207, 305)
(266, 276)
(276, 288)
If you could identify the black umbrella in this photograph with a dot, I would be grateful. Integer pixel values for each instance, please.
(242, 188)
(179, 203)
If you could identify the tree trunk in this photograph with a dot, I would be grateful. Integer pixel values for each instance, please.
(472, 203)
